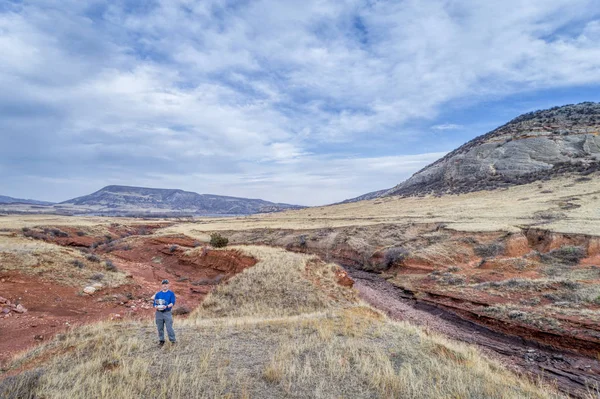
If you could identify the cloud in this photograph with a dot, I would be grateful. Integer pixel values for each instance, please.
(249, 92)
(446, 126)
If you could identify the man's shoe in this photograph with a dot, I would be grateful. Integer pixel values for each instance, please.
(173, 342)
(161, 343)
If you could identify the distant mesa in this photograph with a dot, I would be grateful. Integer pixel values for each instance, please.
(535, 146)
(10, 200)
(126, 199)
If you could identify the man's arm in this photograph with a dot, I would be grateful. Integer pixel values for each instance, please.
(172, 300)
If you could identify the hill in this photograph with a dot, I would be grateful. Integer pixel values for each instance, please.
(10, 200)
(119, 199)
(535, 146)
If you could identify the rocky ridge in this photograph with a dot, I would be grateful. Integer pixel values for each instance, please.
(535, 146)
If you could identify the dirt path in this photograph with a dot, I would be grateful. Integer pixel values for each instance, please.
(573, 374)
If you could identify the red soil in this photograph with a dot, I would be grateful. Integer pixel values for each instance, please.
(54, 308)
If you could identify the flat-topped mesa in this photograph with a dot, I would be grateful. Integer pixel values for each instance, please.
(534, 146)
(142, 199)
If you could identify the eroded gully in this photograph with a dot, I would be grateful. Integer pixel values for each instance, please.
(573, 374)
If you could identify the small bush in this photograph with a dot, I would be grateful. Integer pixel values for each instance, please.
(97, 277)
(302, 240)
(568, 255)
(218, 241)
(21, 386)
(197, 244)
(77, 263)
(394, 255)
(93, 258)
(80, 233)
(55, 232)
(173, 248)
(489, 250)
(108, 265)
(181, 310)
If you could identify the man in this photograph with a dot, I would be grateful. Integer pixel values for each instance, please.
(164, 300)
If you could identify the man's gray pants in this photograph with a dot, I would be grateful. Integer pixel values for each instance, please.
(165, 319)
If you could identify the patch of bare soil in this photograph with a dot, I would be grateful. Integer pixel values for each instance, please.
(53, 308)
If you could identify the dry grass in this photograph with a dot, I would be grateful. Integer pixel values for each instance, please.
(278, 285)
(52, 262)
(15, 222)
(268, 342)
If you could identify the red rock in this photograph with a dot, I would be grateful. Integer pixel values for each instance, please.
(343, 279)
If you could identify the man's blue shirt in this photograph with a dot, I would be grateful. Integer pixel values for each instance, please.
(168, 297)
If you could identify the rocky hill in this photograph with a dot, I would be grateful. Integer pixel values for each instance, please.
(535, 146)
(10, 200)
(120, 199)
(364, 197)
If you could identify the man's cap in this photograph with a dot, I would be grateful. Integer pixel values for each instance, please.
(165, 281)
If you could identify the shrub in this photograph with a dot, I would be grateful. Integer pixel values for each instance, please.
(394, 255)
(180, 310)
(97, 277)
(568, 255)
(197, 244)
(108, 265)
(302, 240)
(78, 263)
(489, 250)
(218, 241)
(173, 248)
(93, 258)
(80, 233)
(21, 386)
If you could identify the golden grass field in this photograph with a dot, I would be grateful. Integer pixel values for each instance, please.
(560, 204)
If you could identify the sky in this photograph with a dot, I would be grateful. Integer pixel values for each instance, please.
(304, 102)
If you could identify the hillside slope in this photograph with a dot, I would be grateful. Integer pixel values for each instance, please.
(10, 200)
(534, 146)
(125, 198)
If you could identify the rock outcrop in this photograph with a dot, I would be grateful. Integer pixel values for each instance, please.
(534, 146)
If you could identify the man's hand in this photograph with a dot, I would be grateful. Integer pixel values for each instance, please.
(170, 305)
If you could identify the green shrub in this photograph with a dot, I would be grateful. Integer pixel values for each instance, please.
(218, 241)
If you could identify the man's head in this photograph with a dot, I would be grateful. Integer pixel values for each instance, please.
(165, 285)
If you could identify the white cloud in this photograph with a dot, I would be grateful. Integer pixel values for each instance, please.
(208, 89)
(446, 126)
